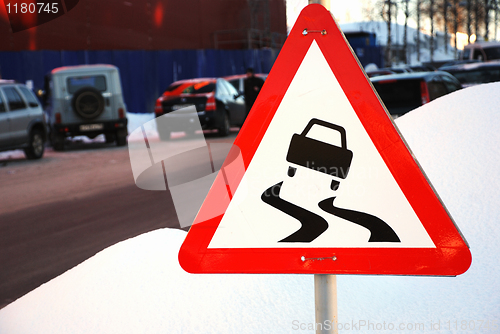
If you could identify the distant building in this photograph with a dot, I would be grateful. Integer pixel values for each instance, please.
(379, 28)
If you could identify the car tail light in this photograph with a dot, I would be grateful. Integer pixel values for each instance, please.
(211, 105)
(424, 92)
(158, 107)
(121, 113)
(58, 118)
(387, 81)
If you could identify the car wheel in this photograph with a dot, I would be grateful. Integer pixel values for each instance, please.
(121, 140)
(88, 102)
(36, 145)
(57, 141)
(109, 138)
(225, 126)
(121, 137)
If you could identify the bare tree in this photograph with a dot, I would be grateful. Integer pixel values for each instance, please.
(469, 19)
(405, 33)
(476, 17)
(431, 17)
(455, 26)
(495, 4)
(429, 9)
(445, 5)
(388, 16)
(419, 3)
(385, 10)
(487, 7)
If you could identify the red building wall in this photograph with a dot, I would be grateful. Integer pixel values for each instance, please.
(138, 24)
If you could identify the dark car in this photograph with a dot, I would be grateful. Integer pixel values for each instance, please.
(459, 62)
(475, 73)
(376, 73)
(404, 92)
(398, 69)
(218, 104)
(422, 68)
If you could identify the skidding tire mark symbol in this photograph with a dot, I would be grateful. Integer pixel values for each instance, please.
(312, 224)
(379, 229)
(333, 160)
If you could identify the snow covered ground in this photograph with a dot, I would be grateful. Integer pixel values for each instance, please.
(137, 286)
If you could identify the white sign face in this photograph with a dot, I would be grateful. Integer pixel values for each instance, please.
(352, 203)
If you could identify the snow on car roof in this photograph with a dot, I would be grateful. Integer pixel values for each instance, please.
(83, 68)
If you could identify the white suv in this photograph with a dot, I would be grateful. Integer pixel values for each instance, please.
(22, 122)
(85, 100)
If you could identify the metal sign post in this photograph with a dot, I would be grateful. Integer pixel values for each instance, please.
(325, 299)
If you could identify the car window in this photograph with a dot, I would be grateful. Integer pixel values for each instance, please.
(235, 83)
(2, 104)
(436, 89)
(173, 87)
(478, 54)
(14, 99)
(221, 89)
(97, 81)
(492, 53)
(199, 88)
(477, 76)
(399, 93)
(230, 88)
(451, 84)
(32, 101)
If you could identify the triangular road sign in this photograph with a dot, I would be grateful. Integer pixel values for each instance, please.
(328, 184)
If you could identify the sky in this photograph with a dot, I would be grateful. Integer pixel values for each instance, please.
(343, 11)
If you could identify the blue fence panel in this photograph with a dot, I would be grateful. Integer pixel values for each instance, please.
(100, 57)
(165, 70)
(50, 60)
(151, 80)
(145, 74)
(11, 65)
(71, 58)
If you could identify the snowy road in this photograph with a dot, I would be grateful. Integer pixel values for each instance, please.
(59, 211)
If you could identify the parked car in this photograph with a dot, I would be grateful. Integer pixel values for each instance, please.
(482, 51)
(22, 121)
(404, 92)
(458, 62)
(377, 73)
(85, 100)
(397, 69)
(422, 68)
(218, 104)
(475, 73)
(238, 81)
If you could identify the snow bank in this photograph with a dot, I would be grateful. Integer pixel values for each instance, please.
(137, 285)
